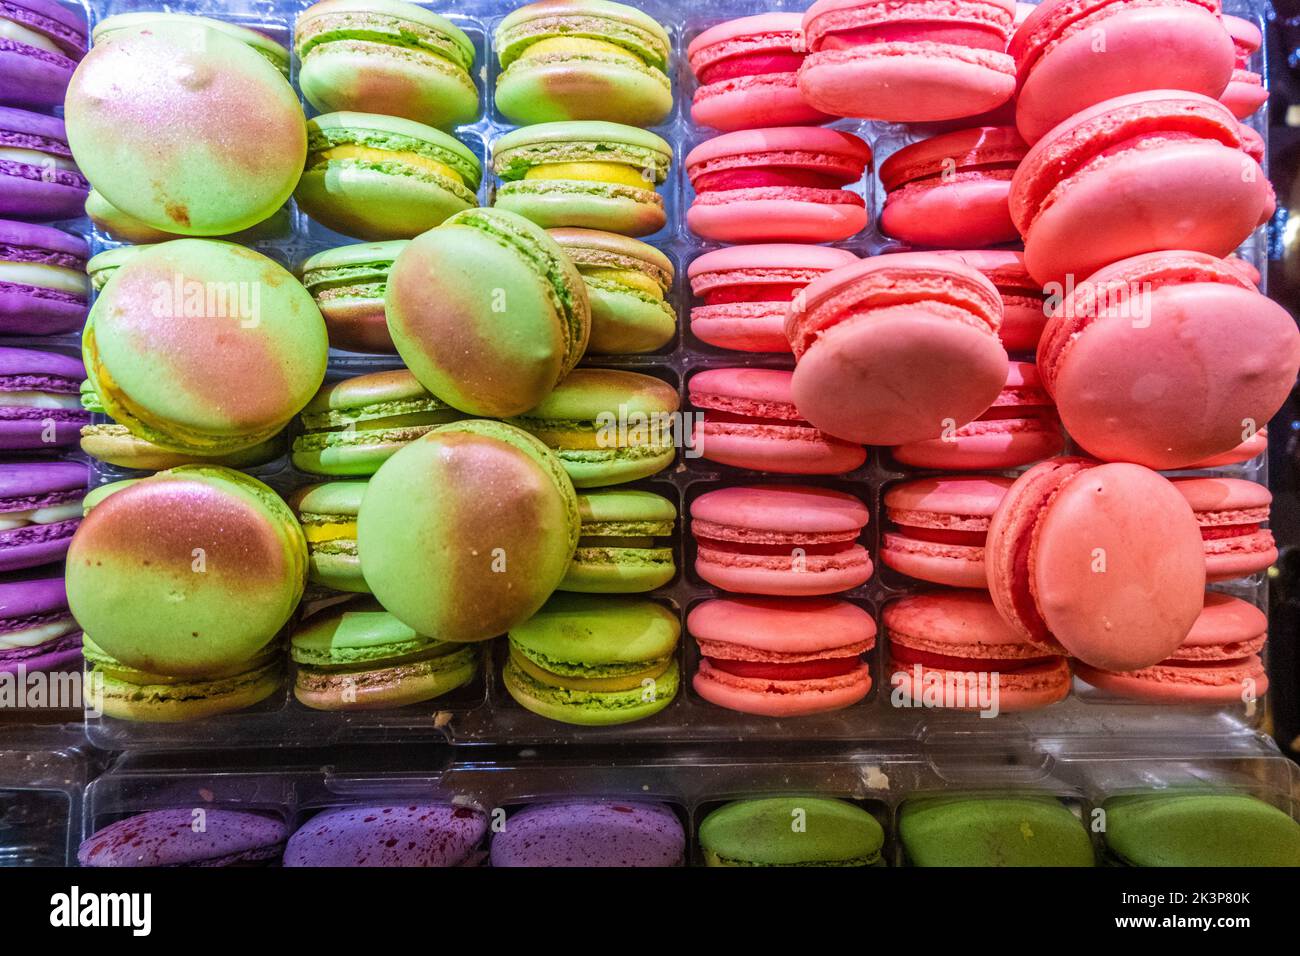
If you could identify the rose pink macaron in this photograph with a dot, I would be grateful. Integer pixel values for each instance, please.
(780, 540)
(750, 421)
(1024, 311)
(747, 71)
(745, 291)
(951, 190)
(1231, 513)
(782, 657)
(937, 528)
(1245, 92)
(784, 184)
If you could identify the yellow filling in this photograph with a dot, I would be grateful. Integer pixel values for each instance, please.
(620, 174)
(12, 31)
(573, 439)
(637, 280)
(368, 154)
(576, 46)
(332, 531)
(623, 682)
(34, 157)
(44, 276)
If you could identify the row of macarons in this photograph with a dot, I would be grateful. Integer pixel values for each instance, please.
(991, 829)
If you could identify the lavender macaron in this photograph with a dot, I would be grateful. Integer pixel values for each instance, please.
(41, 42)
(39, 181)
(43, 284)
(37, 631)
(198, 836)
(437, 834)
(591, 833)
(40, 400)
(40, 509)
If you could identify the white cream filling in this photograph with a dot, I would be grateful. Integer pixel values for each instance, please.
(39, 400)
(51, 514)
(44, 276)
(20, 34)
(31, 636)
(34, 157)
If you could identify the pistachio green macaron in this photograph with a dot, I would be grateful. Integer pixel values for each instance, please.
(791, 831)
(625, 546)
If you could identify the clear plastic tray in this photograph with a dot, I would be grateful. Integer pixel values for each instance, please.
(43, 774)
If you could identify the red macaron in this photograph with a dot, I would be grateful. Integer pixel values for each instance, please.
(1231, 513)
(938, 528)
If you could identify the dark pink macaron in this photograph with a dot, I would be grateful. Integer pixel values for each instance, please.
(1231, 513)
(190, 836)
(37, 631)
(39, 181)
(938, 527)
(40, 509)
(40, 400)
(389, 835)
(43, 285)
(1024, 311)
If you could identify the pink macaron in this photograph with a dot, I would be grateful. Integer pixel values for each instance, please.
(1071, 54)
(1102, 561)
(1231, 513)
(955, 640)
(1024, 310)
(1144, 368)
(1245, 92)
(1218, 663)
(951, 190)
(747, 71)
(782, 540)
(782, 657)
(1251, 447)
(897, 348)
(784, 184)
(750, 421)
(908, 60)
(938, 527)
(745, 291)
(1019, 428)
(1157, 170)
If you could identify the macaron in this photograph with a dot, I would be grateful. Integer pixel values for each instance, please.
(938, 527)
(617, 550)
(37, 631)
(204, 347)
(911, 62)
(591, 833)
(744, 292)
(1020, 427)
(780, 540)
(782, 657)
(386, 56)
(487, 312)
(1250, 448)
(379, 177)
(260, 42)
(1231, 513)
(389, 835)
(747, 72)
(606, 426)
(328, 515)
(750, 421)
(41, 42)
(43, 286)
(468, 530)
(627, 285)
(40, 405)
(1180, 45)
(1024, 311)
(594, 660)
(354, 425)
(39, 180)
(582, 60)
(952, 649)
(348, 284)
(40, 508)
(781, 184)
(762, 832)
(135, 103)
(951, 190)
(912, 336)
(158, 564)
(1138, 173)
(1218, 663)
(1150, 328)
(1189, 828)
(587, 173)
(174, 837)
(1013, 829)
(122, 227)
(1070, 555)
(357, 656)
(1245, 92)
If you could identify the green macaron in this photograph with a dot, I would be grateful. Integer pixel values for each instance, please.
(126, 228)
(384, 177)
(386, 56)
(328, 515)
(353, 426)
(348, 285)
(617, 553)
(488, 312)
(791, 831)
(357, 656)
(595, 661)
(467, 531)
(1013, 830)
(1200, 829)
(100, 267)
(585, 173)
(124, 23)
(607, 426)
(627, 282)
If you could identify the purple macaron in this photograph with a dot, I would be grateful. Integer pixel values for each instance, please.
(199, 836)
(43, 284)
(40, 508)
(40, 400)
(591, 833)
(40, 182)
(436, 834)
(41, 43)
(37, 631)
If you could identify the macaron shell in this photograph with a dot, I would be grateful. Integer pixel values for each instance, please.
(588, 708)
(544, 90)
(786, 698)
(409, 835)
(1186, 828)
(556, 203)
(38, 191)
(592, 834)
(184, 837)
(1010, 830)
(1171, 682)
(1029, 688)
(185, 702)
(776, 215)
(757, 832)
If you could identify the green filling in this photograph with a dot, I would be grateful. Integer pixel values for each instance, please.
(343, 417)
(627, 529)
(644, 44)
(364, 274)
(623, 555)
(323, 139)
(629, 453)
(345, 27)
(319, 441)
(338, 546)
(572, 669)
(665, 691)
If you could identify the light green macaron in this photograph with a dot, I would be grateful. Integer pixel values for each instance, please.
(617, 553)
